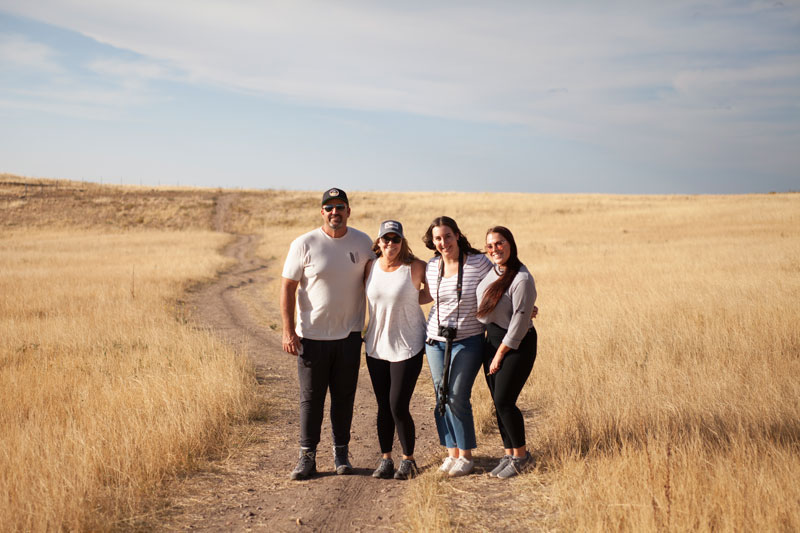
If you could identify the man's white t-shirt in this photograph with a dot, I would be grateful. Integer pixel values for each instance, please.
(330, 296)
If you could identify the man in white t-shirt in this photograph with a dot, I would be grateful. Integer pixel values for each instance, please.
(324, 276)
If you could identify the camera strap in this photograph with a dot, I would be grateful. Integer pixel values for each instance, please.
(444, 386)
(459, 282)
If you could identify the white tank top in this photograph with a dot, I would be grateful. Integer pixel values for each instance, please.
(396, 329)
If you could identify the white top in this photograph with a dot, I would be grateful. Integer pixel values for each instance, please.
(476, 266)
(513, 310)
(396, 329)
(330, 296)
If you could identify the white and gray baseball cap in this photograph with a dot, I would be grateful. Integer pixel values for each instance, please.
(390, 226)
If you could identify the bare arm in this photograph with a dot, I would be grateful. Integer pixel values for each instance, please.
(367, 270)
(291, 342)
(501, 352)
(418, 279)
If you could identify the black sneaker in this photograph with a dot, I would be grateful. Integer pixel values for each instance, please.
(341, 460)
(408, 469)
(306, 466)
(385, 469)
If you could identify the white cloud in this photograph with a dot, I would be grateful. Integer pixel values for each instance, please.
(19, 51)
(784, 70)
(142, 70)
(43, 81)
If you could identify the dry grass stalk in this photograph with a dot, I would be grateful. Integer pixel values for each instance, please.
(428, 505)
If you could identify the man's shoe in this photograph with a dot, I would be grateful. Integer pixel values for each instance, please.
(501, 465)
(341, 460)
(385, 469)
(516, 466)
(408, 469)
(306, 466)
(447, 464)
(461, 467)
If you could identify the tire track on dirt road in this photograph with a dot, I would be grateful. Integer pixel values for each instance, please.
(250, 489)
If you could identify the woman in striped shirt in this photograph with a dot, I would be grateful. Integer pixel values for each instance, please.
(453, 275)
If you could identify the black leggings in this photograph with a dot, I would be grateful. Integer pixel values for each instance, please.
(506, 384)
(394, 384)
(328, 365)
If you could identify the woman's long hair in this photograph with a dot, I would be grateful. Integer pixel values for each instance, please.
(499, 286)
(406, 256)
(463, 244)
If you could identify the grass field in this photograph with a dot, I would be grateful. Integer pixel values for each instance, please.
(664, 396)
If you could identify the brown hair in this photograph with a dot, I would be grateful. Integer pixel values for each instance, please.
(463, 244)
(405, 255)
(499, 286)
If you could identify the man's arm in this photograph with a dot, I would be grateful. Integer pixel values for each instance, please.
(291, 342)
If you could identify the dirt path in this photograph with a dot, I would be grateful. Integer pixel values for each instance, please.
(250, 489)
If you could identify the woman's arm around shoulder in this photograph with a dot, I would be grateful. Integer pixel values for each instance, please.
(418, 278)
(482, 264)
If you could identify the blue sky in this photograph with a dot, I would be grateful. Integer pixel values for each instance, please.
(572, 96)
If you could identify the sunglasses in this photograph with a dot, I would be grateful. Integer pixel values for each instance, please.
(330, 207)
(498, 244)
(397, 239)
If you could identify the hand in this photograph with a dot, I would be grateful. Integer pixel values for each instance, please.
(497, 362)
(535, 312)
(291, 343)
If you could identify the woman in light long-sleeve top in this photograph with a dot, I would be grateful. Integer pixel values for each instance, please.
(506, 298)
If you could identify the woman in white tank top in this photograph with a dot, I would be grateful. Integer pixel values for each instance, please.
(395, 342)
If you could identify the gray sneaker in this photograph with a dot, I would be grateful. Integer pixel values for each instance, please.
(501, 465)
(306, 466)
(341, 460)
(516, 466)
(385, 469)
(408, 469)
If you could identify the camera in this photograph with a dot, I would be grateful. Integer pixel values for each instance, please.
(447, 332)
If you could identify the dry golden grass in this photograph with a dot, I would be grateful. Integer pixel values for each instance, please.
(665, 394)
(664, 397)
(104, 390)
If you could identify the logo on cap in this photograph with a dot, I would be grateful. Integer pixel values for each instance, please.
(333, 192)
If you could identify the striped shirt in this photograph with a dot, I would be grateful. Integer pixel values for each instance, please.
(445, 304)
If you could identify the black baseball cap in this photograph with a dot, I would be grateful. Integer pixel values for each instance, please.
(335, 194)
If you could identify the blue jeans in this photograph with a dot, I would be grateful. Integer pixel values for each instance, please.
(457, 428)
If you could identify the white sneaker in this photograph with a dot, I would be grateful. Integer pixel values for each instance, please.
(447, 464)
(461, 467)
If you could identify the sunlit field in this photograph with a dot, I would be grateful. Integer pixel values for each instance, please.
(665, 394)
(105, 391)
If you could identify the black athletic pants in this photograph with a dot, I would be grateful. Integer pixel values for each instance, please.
(393, 383)
(328, 365)
(506, 384)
